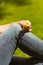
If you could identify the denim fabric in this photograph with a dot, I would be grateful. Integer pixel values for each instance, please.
(25, 61)
(32, 45)
(8, 43)
(39, 64)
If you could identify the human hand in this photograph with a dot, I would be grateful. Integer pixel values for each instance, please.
(26, 25)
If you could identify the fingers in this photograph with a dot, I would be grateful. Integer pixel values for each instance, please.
(26, 25)
(29, 25)
(30, 30)
(28, 22)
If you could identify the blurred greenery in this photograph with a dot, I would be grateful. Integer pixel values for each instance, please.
(17, 2)
(14, 10)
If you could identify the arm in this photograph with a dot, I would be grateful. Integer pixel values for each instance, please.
(22, 23)
(4, 27)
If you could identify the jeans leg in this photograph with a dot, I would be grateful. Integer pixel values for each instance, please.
(8, 43)
(32, 45)
(25, 61)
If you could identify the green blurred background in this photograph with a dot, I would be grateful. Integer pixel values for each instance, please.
(14, 10)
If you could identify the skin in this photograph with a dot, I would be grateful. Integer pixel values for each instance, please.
(25, 24)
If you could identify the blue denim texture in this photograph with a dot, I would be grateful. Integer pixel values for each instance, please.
(8, 43)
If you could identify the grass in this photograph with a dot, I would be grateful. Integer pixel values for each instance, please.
(32, 11)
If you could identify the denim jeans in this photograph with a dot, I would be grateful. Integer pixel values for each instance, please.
(8, 43)
(25, 61)
(32, 45)
(29, 43)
